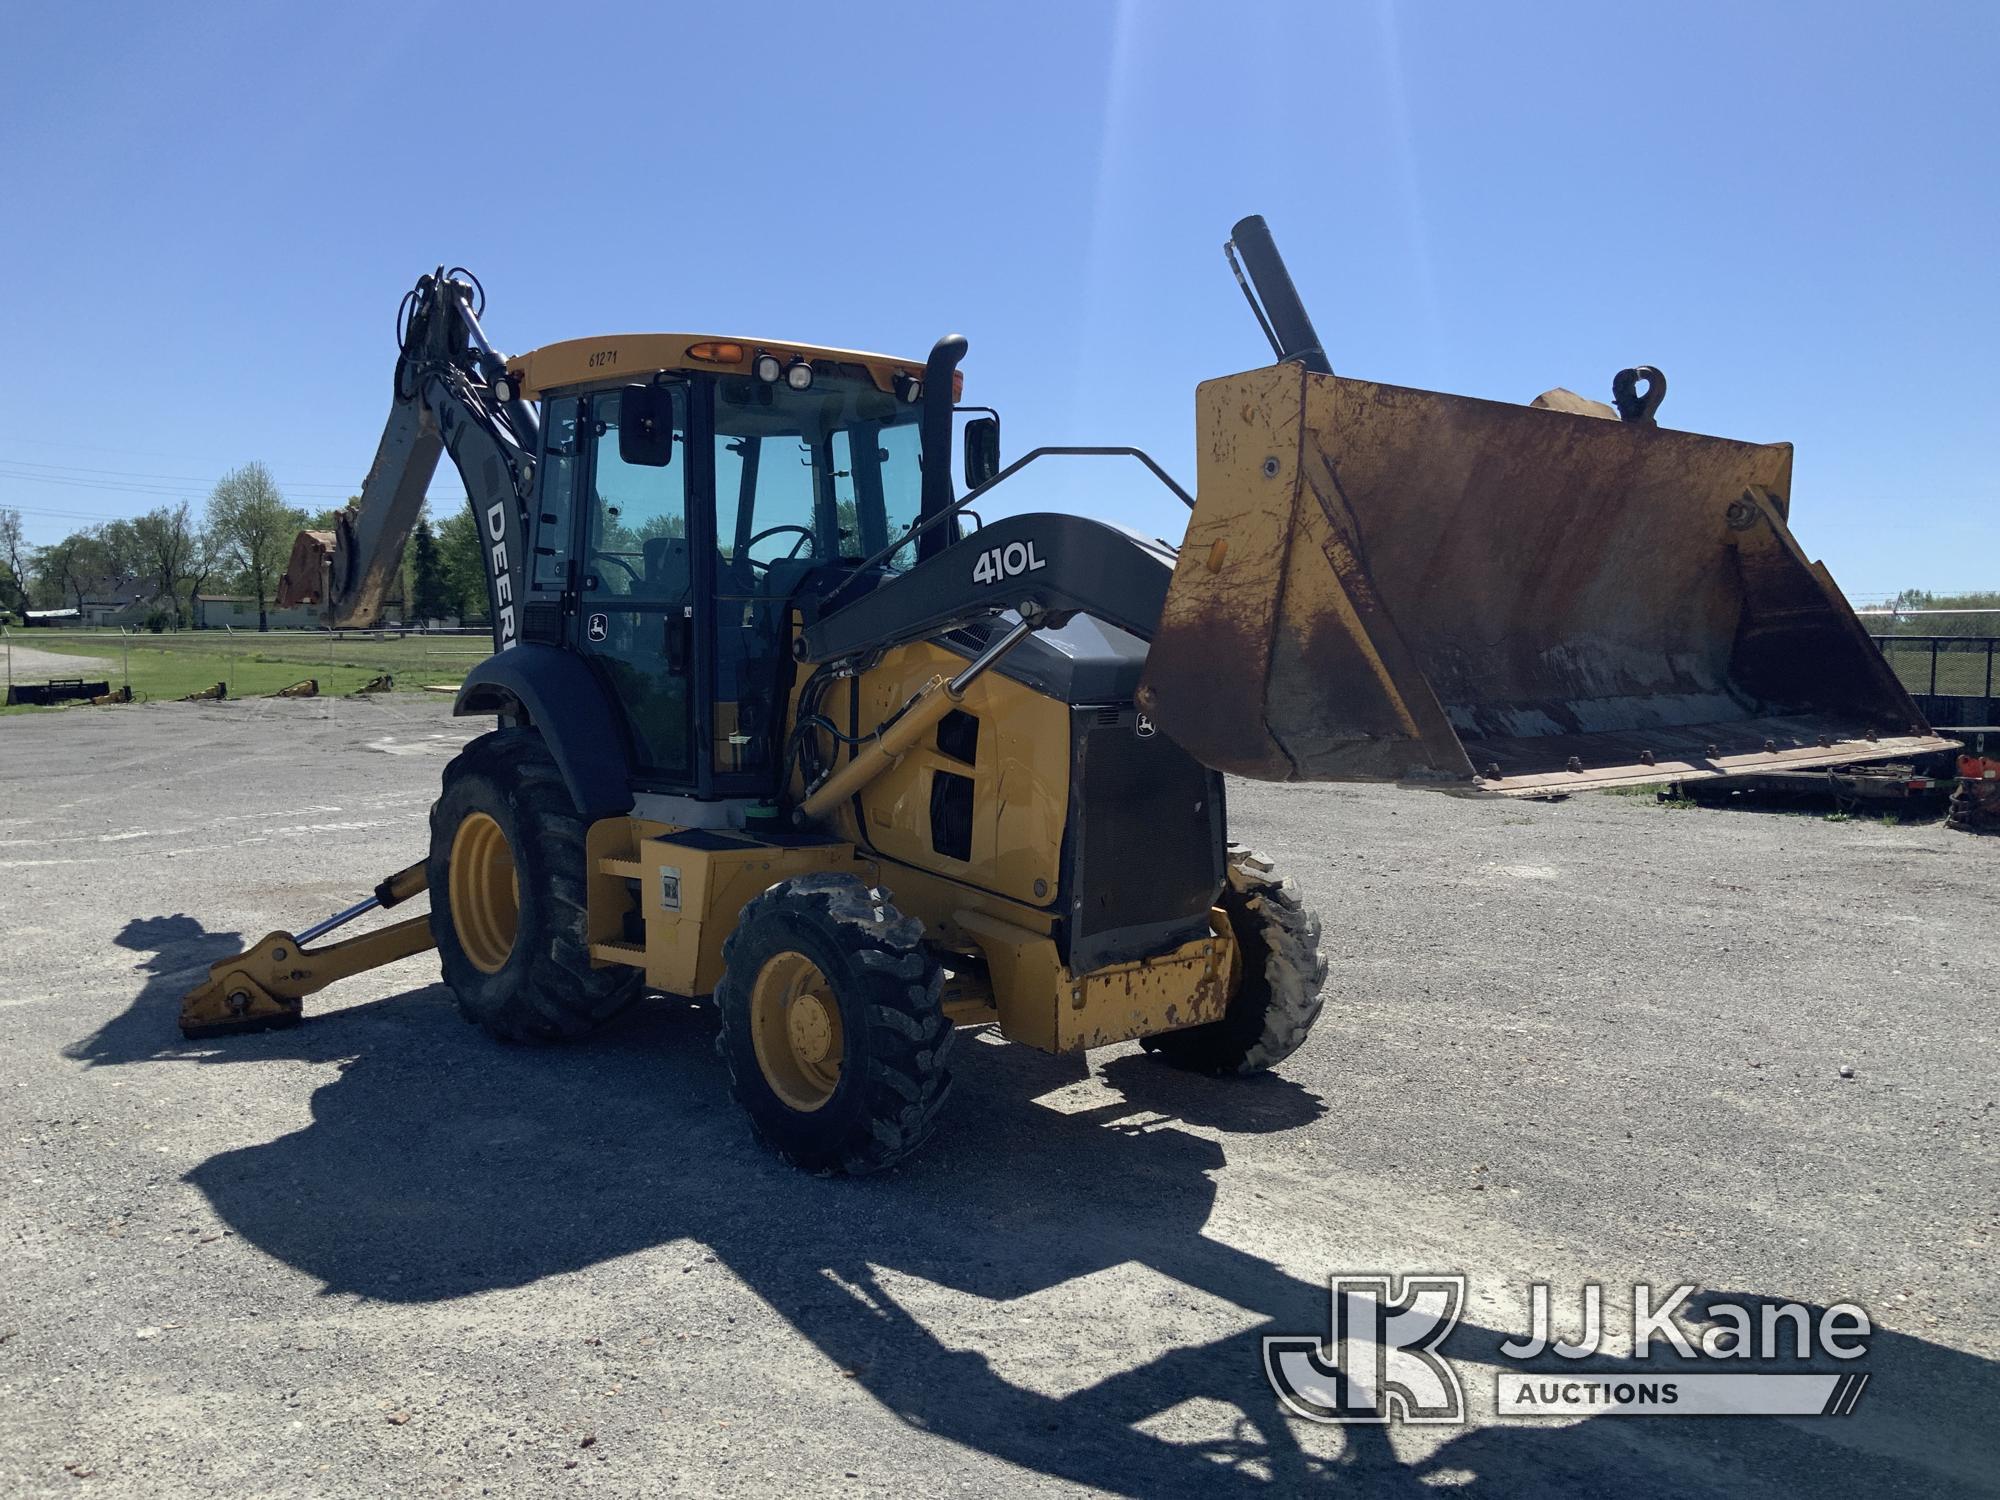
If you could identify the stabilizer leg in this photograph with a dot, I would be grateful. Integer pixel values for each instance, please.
(265, 986)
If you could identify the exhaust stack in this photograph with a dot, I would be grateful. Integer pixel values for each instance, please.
(1272, 297)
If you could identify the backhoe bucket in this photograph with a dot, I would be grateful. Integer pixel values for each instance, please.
(1383, 584)
(304, 578)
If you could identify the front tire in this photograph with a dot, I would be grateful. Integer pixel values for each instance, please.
(837, 1042)
(509, 896)
(1281, 975)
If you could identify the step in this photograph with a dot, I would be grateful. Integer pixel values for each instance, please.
(626, 869)
(620, 953)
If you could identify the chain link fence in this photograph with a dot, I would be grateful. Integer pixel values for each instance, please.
(1954, 677)
(1950, 676)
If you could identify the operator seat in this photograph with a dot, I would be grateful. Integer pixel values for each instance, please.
(669, 568)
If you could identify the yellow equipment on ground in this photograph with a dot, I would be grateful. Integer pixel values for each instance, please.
(778, 725)
(266, 984)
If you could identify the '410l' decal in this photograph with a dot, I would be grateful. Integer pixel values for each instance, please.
(1010, 561)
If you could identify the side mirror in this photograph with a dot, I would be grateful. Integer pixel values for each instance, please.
(982, 450)
(646, 425)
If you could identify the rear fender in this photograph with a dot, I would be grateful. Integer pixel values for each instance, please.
(554, 691)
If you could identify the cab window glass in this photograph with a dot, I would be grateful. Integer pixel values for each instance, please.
(555, 513)
(637, 541)
(900, 470)
(764, 501)
(809, 476)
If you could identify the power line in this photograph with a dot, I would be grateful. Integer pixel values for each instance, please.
(82, 469)
(447, 501)
(92, 448)
(122, 478)
(103, 489)
(88, 469)
(67, 515)
(138, 487)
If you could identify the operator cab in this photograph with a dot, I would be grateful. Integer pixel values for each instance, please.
(693, 493)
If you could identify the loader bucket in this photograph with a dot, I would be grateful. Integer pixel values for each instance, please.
(1384, 584)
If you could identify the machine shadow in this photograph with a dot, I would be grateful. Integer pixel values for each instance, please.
(178, 952)
(438, 1164)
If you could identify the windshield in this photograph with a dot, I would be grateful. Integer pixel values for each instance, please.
(804, 477)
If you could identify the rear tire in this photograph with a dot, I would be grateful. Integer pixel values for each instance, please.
(509, 896)
(1282, 972)
(837, 1042)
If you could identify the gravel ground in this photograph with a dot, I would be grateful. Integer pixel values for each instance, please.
(381, 1255)
(27, 664)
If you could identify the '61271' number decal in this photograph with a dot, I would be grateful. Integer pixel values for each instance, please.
(1010, 561)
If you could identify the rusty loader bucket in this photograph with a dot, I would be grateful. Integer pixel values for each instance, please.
(1383, 584)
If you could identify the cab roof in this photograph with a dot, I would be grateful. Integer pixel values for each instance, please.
(614, 356)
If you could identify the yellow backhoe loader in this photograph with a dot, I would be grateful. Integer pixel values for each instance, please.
(778, 725)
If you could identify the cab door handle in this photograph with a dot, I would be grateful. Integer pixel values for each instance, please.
(680, 640)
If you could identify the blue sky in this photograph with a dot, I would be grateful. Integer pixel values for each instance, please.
(211, 213)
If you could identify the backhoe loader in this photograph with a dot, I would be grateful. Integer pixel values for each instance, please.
(778, 725)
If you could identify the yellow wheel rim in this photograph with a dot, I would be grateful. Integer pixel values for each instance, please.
(795, 1029)
(485, 893)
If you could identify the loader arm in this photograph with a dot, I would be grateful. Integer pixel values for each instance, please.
(1039, 565)
(451, 395)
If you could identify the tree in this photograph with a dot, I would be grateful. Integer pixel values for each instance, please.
(204, 561)
(1909, 618)
(429, 593)
(13, 573)
(323, 520)
(107, 559)
(119, 558)
(254, 526)
(464, 562)
(62, 568)
(166, 540)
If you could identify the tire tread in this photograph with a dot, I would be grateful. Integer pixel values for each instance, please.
(562, 995)
(906, 1078)
(1273, 1011)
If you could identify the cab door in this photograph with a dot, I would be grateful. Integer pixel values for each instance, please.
(635, 617)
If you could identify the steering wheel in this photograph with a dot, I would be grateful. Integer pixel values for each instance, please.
(805, 535)
(612, 557)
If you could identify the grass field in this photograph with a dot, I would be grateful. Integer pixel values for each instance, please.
(1964, 668)
(165, 667)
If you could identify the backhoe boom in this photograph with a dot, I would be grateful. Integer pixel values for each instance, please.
(451, 395)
